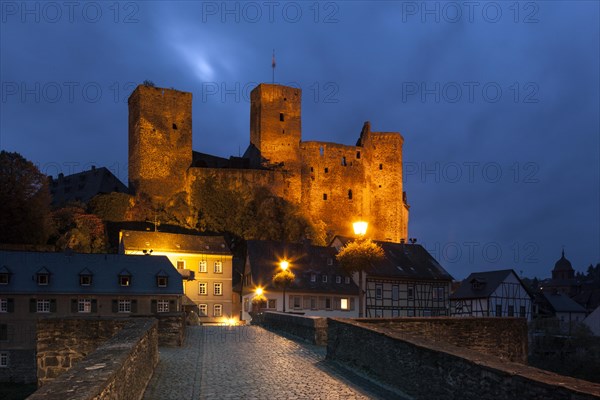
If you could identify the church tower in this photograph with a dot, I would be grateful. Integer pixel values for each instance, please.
(160, 141)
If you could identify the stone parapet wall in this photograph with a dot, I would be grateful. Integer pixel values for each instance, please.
(310, 329)
(505, 338)
(427, 369)
(119, 368)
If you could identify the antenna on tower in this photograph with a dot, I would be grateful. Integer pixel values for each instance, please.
(273, 66)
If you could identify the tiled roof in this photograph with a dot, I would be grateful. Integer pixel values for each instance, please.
(305, 261)
(84, 185)
(406, 261)
(173, 242)
(64, 270)
(560, 302)
(487, 282)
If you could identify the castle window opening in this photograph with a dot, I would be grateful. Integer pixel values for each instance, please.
(321, 151)
(283, 131)
(312, 169)
(281, 117)
(358, 154)
(380, 166)
(324, 196)
(326, 170)
(350, 194)
(344, 161)
(175, 127)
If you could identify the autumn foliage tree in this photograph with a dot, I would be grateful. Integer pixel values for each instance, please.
(360, 256)
(24, 201)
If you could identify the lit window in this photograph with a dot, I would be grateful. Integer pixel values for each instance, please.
(161, 281)
(202, 266)
(3, 305)
(124, 306)
(43, 306)
(218, 289)
(203, 310)
(217, 310)
(42, 279)
(85, 280)
(124, 280)
(218, 267)
(344, 304)
(3, 359)
(324, 278)
(180, 264)
(338, 279)
(162, 306)
(84, 305)
(202, 288)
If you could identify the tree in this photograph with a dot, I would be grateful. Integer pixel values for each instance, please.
(78, 231)
(111, 207)
(283, 279)
(25, 200)
(360, 256)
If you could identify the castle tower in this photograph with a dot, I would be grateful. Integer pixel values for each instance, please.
(160, 141)
(275, 124)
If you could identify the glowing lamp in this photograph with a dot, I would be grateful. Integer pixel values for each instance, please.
(360, 228)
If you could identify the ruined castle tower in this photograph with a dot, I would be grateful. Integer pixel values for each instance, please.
(333, 183)
(160, 141)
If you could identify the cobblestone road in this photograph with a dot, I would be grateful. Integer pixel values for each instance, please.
(249, 362)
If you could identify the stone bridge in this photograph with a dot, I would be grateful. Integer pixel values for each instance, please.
(249, 362)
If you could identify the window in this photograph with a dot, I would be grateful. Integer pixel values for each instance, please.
(438, 294)
(180, 264)
(217, 310)
(411, 313)
(326, 170)
(3, 332)
(511, 311)
(344, 304)
(43, 306)
(162, 306)
(343, 161)
(202, 288)
(218, 289)
(522, 313)
(281, 117)
(161, 281)
(380, 166)
(202, 266)
(349, 194)
(328, 303)
(3, 359)
(272, 304)
(297, 302)
(358, 154)
(313, 303)
(313, 277)
(42, 279)
(85, 280)
(395, 293)
(84, 305)
(218, 267)
(324, 278)
(329, 261)
(498, 310)
(338, 279)
(3, 305)
(124, 280)
(246, 304)
(4, 279)
(347, 280)
(410, 293)
(378, 292)
(124, 306)
(324, 196)
(203, 310)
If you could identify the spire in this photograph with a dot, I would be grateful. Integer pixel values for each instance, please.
(273, 66)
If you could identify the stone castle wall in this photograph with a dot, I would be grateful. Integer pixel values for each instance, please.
(335, 183)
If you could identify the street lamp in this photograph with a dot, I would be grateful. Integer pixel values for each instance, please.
(284, 265)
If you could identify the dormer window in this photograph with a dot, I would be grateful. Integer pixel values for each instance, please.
(124, 278)
(477, 284)
(85, 278)
(4, 276)
(43, 277)
(161, 281)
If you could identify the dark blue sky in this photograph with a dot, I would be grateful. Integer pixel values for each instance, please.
(498, 102)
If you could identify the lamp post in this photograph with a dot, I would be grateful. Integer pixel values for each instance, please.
(284, 265)
(360, 229)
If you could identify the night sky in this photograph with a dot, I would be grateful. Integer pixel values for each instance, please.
(498, 102)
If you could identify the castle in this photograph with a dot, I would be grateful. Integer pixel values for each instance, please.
(331, 182)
